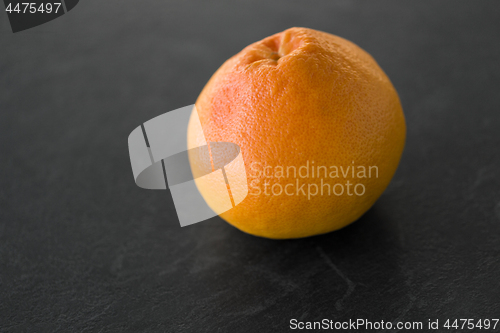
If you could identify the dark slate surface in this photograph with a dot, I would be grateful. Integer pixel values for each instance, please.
(82, 249)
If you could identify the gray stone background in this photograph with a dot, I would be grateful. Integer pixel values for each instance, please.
(83, 249)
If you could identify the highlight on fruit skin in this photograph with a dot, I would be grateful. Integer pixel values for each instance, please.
(303, 100)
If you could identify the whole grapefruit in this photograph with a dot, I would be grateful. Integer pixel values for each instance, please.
(320, 128)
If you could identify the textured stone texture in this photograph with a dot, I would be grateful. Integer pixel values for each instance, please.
(83, 249)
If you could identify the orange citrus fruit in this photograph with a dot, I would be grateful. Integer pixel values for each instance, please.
(320, 127)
